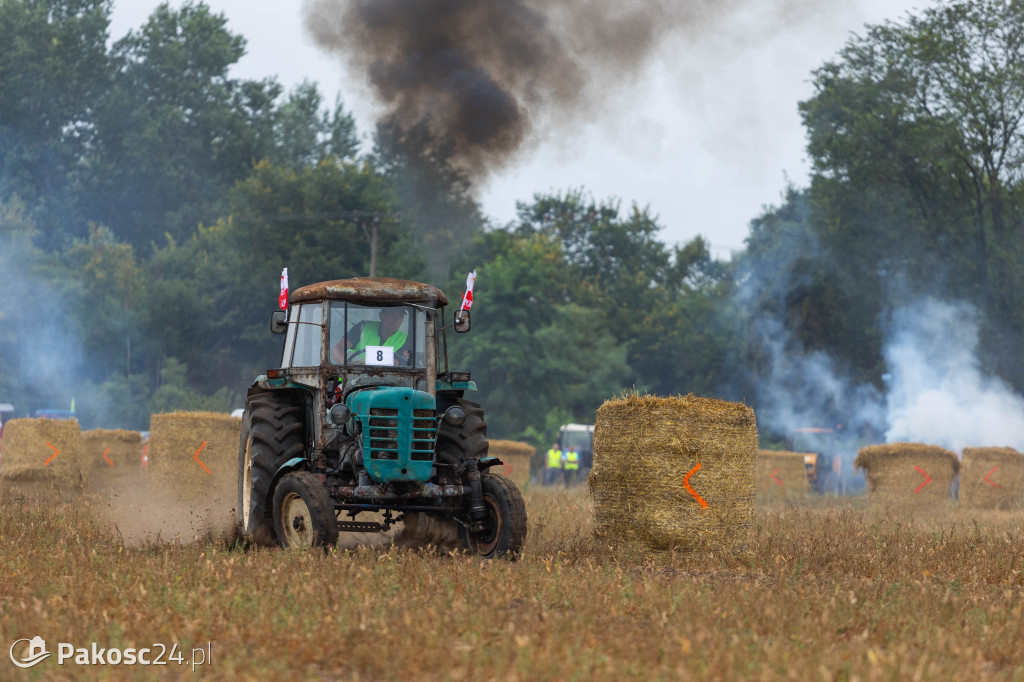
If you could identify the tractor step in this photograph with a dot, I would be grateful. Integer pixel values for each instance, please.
(360, 527)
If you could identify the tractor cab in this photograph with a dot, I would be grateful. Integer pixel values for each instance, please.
(363, 332)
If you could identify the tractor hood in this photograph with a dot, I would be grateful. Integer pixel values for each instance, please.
(398, 431)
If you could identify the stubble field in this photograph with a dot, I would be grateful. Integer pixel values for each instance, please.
(830, 591)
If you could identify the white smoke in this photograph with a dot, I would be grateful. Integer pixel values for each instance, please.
(937, 392)
(806, 390)
(42, 355)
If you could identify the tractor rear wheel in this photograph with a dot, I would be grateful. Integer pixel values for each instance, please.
(272, 434)
(303, 513)
(505, 526)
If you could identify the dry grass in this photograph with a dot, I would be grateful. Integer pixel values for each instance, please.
(828, 592)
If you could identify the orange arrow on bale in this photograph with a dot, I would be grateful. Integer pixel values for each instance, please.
(196, 457)
(991, 482)
(776, 479)
(686, 484)
(55, 453)
(107, 458)
(927, 479)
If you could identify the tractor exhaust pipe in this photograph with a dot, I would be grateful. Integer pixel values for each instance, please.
(477, 510)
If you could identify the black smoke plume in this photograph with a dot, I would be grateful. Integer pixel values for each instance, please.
(488, 78)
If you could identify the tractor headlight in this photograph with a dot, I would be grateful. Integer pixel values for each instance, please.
(455, 415)
(340, 414)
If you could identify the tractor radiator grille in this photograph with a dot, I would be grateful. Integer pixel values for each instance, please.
(384, 433)
(424, 427)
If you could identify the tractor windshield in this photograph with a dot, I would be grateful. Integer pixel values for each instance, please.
(387, 336)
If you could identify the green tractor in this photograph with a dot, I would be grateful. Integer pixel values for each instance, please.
(363, 415)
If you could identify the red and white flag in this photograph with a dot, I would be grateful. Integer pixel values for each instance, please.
(467, 298)
(282, 299)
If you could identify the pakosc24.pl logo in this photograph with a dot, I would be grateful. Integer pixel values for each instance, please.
(156, 654)
(36, 652)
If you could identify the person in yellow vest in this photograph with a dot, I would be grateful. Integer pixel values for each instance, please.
(553, 465)
(570, 465)
(387, 332)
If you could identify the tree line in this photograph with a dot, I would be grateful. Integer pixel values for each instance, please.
(148, 201)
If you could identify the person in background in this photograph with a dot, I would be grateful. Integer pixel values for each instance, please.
(570, 465)
(553, 465)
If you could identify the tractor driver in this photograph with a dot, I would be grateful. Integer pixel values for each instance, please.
(387, 332)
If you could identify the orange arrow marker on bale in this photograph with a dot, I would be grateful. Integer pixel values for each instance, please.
(928, 479)
(774, 478)
(107, 458)
(992, 483)
(686, 484)
(55, 453)
(196, 457)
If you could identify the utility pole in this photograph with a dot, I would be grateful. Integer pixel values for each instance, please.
(371, 230)
(372, 233)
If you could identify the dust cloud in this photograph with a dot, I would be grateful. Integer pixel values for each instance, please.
(140, 513)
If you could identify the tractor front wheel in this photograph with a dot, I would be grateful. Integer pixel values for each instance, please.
(303, 513)
(504, 528)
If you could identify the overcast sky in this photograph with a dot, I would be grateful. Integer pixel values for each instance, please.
(705, 136)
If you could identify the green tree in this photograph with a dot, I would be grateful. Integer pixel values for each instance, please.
(53, 69)
(916, 131)
(532, 351)
(101, 281)
(174, 131)
(684, 342)
(641, 287)
(305, 134)
(174, 393)
(618, 261)
(213, 293)
(16, 254)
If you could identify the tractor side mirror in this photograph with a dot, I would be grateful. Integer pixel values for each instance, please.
(462, 321)
(279, 321)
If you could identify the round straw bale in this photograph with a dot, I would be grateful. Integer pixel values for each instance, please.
(781, 475)
(909, 475)
(111, 457)
(516, 457)
(193, 456)
(992, 478)
(41, 460)
(674, 472)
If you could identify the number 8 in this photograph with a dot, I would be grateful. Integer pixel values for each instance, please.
(380, 356)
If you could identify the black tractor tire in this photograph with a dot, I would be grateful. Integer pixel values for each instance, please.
(303, 513)
(272, 433)
(505, 527)
(458, 443)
